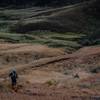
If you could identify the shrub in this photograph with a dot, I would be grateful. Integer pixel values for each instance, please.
(51, 82)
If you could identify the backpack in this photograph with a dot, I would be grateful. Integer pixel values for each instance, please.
(13, 74)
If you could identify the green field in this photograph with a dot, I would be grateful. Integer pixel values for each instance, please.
(68, 41)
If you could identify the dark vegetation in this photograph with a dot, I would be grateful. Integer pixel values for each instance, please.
(83, 18)
(38, 2)
(93, 10)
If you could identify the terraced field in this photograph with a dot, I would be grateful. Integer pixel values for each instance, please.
(68, 41)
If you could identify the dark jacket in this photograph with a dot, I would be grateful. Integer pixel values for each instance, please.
(13, 75)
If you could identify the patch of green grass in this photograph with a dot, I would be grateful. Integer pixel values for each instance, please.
(62, 38)
(59, 39)
(68, 42)
(16, 37)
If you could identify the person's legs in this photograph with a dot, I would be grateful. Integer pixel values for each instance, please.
(14, 83)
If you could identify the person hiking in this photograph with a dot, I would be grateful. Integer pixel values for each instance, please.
(13, 75)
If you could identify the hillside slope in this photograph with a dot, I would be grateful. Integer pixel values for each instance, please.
(56, 76)
(24, 3)
(77, 18)
(69, 27)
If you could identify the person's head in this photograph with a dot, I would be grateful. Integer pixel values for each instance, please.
(13, 70)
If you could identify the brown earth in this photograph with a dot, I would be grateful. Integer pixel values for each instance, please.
(50, 74)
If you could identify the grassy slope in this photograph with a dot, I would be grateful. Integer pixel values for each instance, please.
(74, 18)
(65, 40)
(60, 27)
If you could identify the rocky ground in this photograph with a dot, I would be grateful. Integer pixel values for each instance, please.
(50, 74)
